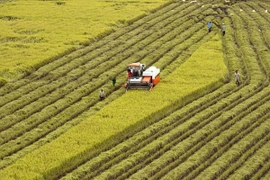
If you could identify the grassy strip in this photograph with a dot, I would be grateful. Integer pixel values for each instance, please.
(113, 119)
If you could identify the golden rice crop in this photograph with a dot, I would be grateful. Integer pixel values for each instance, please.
(35, 31)
(203, 68)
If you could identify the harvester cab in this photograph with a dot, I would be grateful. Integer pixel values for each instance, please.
(139, 78)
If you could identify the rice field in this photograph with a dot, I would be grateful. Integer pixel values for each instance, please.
(195, 124)
(34, 33)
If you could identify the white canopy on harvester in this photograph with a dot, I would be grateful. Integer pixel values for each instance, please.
(152, 71)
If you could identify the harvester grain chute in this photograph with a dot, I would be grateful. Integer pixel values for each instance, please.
(139, 78)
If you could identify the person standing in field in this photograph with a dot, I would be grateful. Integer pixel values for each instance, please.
(113, 81)
(129, 73)
(209, 24)
(101, 94)
(223, 29)
(237, 77)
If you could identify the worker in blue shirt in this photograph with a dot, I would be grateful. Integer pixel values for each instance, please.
(209, 26)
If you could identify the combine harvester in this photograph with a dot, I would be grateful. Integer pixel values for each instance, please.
(138, 78)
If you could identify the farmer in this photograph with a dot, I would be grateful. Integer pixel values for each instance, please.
(129, 73)
(223, 28)
(101, 94)
(237, 77)
(113, 81)
(209, 24)
(135, 72)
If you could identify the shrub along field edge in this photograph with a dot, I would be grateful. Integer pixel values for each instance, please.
(203, 72)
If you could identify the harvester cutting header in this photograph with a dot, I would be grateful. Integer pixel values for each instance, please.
(139, 78)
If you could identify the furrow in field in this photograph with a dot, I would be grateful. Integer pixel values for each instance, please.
(237, 161)
(212, 115)
(263, 6)
(263, 24)
(251, 128)
(242, 67)
(192, 174)
(266, 175)
(263, 170)
(254, 163)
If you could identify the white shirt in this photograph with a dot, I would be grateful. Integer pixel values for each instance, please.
(101, 94)
(237, 76)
